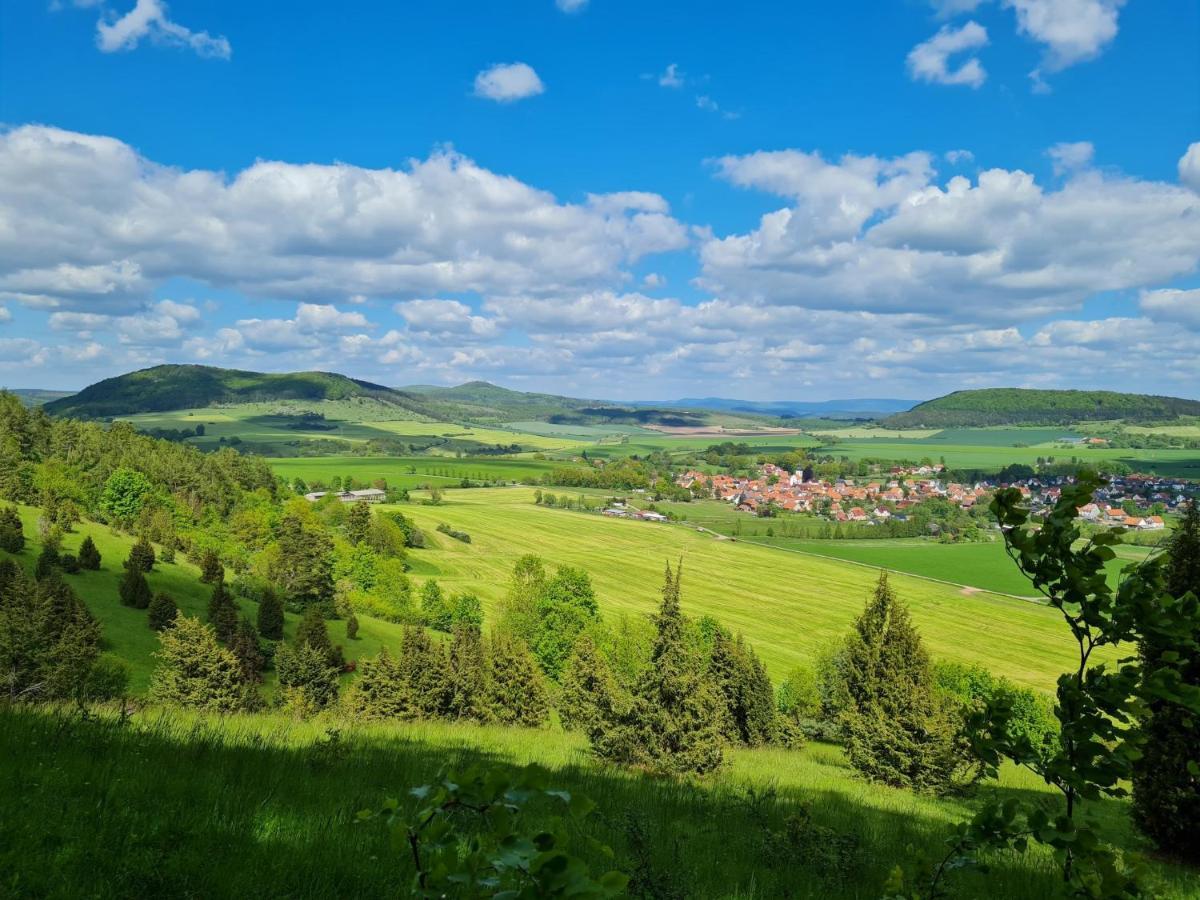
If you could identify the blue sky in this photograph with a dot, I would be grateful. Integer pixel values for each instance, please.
(626, 200)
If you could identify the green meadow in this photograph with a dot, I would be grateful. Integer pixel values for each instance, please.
(175, 805)
(414, 471)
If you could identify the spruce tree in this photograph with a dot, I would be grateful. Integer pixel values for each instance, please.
(89, 556)
(516, 691)
(270, 615)
(1166, 787)
(313, 632)
(133, 589)
(141, 555)
(12, 534)
(195, 671)
(749, 700)
(163, 611)
(589, 689)
(673, 724)
(246, 648)
(895, 726)
(468, 677)
(379, 691)
(222, 613)
(211, 569)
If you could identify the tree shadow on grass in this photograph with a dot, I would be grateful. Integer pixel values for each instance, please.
(258, 806)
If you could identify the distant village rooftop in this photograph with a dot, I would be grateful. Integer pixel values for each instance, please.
(370, 495)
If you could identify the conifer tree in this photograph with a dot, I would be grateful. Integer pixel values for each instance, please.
(141, 555)
(211, 569)
(358, 522)
(248, 651)
(467, 676)
(1166, 786)
(163, 611)
(308, 681)
(195, 671)
(589, 689)
(516, 691)
(89, 556)
(424, 676)
(12, 534)
(133, 589)
(222, 613)
(519, 609)
(895, 726)
(304, 564)
(741, 679)
(380, 691)
(47, 562)
(352, 627)
(673, 723)
(435, 610)
(313, 632)
(270, 615)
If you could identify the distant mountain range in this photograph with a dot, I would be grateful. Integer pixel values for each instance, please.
(37, 396)
(859, 407)
(1020, 406)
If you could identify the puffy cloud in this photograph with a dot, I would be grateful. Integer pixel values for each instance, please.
(148, 19)
(448, 319)
(879, 235)
(1072, 30)
(1189, 167)
(930, 60)
(1068, 157)
(1173, 306)
(87, 223)
(80, 323)
(507, 82)
(21, 352)
(957, 157)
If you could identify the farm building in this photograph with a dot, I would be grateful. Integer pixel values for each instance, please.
(370, 495)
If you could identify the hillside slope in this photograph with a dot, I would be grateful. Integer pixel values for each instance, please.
(169, 387)
(1020, 406)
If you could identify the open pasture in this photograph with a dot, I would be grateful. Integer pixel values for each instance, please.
(791, 606)
(413, 471)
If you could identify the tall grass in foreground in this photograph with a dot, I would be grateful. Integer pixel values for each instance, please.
(170, 804)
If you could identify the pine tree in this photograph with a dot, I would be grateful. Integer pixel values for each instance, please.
(895, 727)
(133, 589)
(467, 677)
(89, 556)
(222, 613)
(246, 648)
(673, 723)
(358, 522)
(270, 615)
(1166, 790)
(12, 534)
(589, 689)
(211, 569)
(516, 691)
(141, 555)
(163, 611)
(195, 671)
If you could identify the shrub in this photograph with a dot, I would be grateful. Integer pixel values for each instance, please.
(162, 612)
(133, 589)
(69, 563)
(89, 556)
(195, 671)
(457, 535)
(12, 534)
(141, 555)
(308, 681)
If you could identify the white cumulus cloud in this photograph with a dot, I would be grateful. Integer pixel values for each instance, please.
(508, 82)
(148, 19)
(930, 60)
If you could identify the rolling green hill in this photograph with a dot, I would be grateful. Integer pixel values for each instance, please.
(38, 396)
(1019, 406)
(163, 388)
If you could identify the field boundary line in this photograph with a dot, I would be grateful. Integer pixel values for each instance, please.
(855, 562)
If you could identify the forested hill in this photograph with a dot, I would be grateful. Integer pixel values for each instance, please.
(163, 388)
(1019, 406)
(481, 401)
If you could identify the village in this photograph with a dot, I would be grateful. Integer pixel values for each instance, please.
(1131, 501)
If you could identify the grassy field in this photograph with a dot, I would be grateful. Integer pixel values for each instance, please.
(791, 606)
(269, 428)
(413, 471)
(264, 806)
(126, 633)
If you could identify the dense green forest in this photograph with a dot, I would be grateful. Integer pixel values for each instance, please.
(1020, 406)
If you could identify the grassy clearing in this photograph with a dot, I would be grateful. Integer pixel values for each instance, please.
(126, 633)
(263, 806)
(791, 606)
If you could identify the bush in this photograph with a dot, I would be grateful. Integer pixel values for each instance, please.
(309, 683)
(162, 612)
(12, 535)
(141, 555)
(195, 671)
(89, 556)
(70, 563)
(457, 535)
(133, 589)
